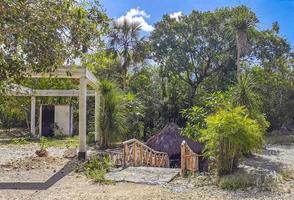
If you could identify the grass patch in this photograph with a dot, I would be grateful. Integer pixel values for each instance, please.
(236, 181)
(60, 141)
(96, 169)
(287, 174)
(20, 141)
(63, 141)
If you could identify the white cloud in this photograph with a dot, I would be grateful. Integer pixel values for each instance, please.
(176, 15)
(137, 15)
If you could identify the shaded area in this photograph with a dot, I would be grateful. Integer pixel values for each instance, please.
(69, 167)
(271, 152)
(263, 163)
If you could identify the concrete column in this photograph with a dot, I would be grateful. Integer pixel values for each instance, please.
(33, 115)
(97, 109)
(40, 122)
(82, 118)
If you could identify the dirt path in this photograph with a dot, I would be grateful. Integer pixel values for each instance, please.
(76, 186)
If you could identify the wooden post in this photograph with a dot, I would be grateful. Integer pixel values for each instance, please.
(82, 118)
(141, 155)
(167, 161)
(183, 158)
(134, 153)
(97, 108)
(125, 156)
(33, 115)
(197, 163)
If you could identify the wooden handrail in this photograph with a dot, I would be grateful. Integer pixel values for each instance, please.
(143, 145)
(137, 153)
(189, 159)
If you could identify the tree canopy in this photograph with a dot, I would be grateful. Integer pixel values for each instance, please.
(42, 35)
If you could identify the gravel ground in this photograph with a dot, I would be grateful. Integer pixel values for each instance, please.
(18, 163)
(144, 175)
(13, 152)
(76, 186)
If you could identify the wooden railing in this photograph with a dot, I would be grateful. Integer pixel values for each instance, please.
(116, 156)
(189, 159)
(136, 153)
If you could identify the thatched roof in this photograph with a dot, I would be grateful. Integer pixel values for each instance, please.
(169, 140)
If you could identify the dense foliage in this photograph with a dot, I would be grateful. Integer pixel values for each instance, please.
(42, 35)
(213, 73)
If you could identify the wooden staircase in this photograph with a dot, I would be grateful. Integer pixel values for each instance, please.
(136, 153)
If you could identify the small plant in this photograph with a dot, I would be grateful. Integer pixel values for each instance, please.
(43, 152)
(236, 181)
(96, 169)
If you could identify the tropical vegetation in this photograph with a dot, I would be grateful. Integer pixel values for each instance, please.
(223, 80)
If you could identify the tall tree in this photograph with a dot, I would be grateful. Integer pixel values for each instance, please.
(127, 44)
(242, 20)
(192, 47)
(272, 50)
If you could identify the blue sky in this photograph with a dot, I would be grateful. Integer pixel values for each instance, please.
(150, 11)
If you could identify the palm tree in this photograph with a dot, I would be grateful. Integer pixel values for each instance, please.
(126, 43)
(112, 115)
(245, 93)
(243, 20)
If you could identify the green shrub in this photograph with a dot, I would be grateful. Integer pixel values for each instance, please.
(43, 143)
(236, 181)
(96, 169)
(230, 133)
(197, 114)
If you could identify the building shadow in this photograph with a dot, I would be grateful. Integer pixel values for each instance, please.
(68, 167)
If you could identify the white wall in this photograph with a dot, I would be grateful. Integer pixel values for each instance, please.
(63, 118)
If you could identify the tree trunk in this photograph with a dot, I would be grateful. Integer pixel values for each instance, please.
(238, 45)
(124, 75)
(192, 95)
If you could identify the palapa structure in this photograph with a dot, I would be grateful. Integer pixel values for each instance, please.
(169, 140)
